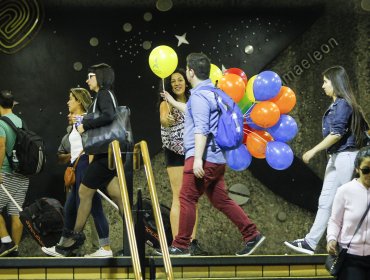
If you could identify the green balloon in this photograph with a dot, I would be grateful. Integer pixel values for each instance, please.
(245, 104)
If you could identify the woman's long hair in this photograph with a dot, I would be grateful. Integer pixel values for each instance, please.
(342, 89)
(168, 86)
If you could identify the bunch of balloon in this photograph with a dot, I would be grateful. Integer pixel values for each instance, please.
(268, 125)
(163, 61)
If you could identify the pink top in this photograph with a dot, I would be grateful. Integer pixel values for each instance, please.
(350, 203)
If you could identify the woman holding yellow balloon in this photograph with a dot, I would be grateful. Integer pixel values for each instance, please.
(172, 118)
(163, 62)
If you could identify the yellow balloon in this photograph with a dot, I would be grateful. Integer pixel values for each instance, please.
(215, 73)
(163, 61)
(249, 89)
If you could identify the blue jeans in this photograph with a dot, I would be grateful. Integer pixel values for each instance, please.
(339, 171)
(73, 201)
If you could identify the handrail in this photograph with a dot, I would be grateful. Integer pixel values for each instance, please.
(142, 145)
(126, 206)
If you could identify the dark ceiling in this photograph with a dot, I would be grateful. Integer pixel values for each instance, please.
(186, 3)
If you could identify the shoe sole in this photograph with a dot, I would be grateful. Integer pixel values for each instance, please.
(98, 257)
(254, 248)
(50, 253)
(298, 249)
(9, 251)
(181, 255)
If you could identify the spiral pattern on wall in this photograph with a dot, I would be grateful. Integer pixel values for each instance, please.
(19, 22)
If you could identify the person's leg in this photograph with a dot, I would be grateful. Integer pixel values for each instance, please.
(86, 195)
(101, 222)
(17, 186)
(216, 193)
(20, 183)
(3, 230)
(354, 267)
(113, 190)
(339, 171)
(7, 244)
(192, 188)
(17, 229)
(70, 211)
(175, 176)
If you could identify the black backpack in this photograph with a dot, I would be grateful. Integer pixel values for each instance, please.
(28, 156)
(44, 221)
(151, 232)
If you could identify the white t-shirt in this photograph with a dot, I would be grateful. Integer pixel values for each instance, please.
(76, 144)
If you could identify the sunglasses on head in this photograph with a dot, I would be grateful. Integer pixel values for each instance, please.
(365, 170)
(90, 75)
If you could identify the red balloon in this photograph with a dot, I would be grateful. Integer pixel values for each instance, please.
(257, 142)
(233, 85)
(285, 100)
(238, 72)
(247, 130)
(265, 114)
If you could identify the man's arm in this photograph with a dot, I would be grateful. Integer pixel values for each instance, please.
(200, 144)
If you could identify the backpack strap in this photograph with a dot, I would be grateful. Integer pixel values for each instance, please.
(214, 90)
(12, 125)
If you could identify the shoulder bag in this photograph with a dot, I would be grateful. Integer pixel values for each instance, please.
(70, 174)
(97, 140)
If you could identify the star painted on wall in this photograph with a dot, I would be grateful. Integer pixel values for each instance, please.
(182, 39)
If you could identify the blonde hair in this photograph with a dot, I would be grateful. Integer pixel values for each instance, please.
(83, 96)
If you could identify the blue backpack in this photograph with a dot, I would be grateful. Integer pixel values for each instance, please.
(230, 123)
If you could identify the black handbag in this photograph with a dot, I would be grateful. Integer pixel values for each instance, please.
(97, 140)
(334, 263)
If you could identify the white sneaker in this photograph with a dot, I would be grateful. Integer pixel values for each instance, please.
(101, 253)
(51, 251)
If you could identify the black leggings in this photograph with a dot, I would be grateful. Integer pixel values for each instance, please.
(355, 268)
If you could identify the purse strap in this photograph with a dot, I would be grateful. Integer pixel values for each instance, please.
(359, 224)
(113, 99)
(76, 161)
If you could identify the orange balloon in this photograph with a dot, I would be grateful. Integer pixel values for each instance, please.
(265, 114)
(285, 100)
(257, 142)
(233, 85)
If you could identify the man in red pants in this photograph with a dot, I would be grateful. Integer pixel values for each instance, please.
(205, 163)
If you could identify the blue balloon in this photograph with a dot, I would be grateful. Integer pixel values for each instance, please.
(284, 130)
(266, 85)
(279, 155)
(238, 159)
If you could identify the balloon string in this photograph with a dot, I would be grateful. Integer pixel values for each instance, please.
(247, 113)
(168, 106)
(255, 134)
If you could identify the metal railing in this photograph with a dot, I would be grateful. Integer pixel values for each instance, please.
(126, 206)
(143, 147)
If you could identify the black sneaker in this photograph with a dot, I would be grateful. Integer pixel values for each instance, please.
(71, 244)
(251, 246)
(196, 250)
(179, 252)
(13, 254)
(300, 246)
(7, 247)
